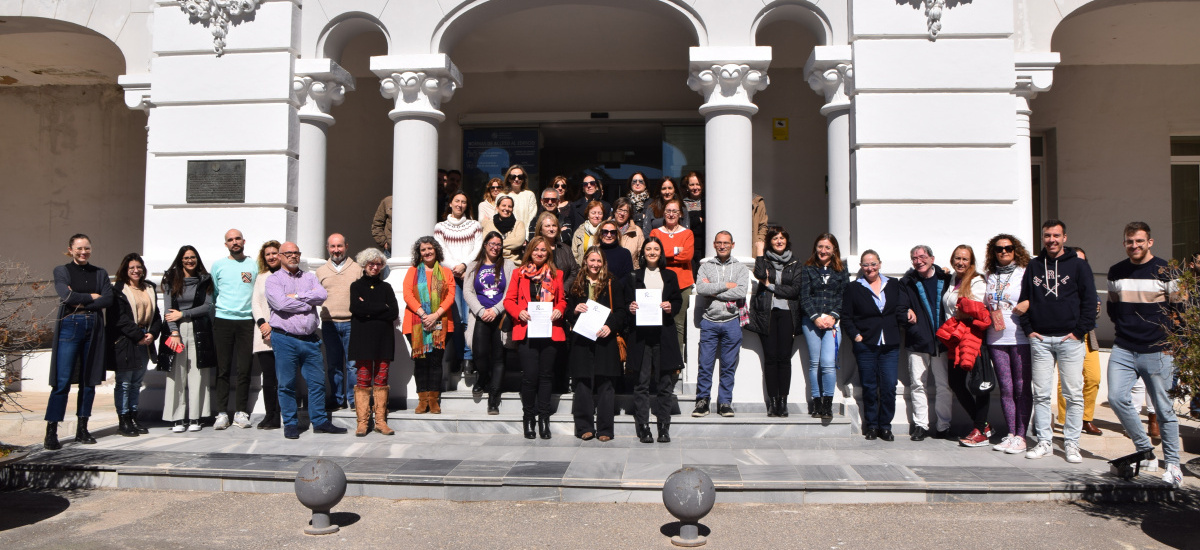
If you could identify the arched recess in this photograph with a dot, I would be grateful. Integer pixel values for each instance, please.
(805, 14)
(126, 27)
(345, 28)
(73, 155)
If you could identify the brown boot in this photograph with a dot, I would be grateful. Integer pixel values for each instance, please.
(381, 404)
(422, 402)
(362, 409)
(435, 406)
(1152, 428)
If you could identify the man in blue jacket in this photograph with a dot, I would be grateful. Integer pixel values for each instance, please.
(925, 284)
(1062, 308)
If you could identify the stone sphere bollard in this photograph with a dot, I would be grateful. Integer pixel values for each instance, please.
(320, 485)
(689, 494)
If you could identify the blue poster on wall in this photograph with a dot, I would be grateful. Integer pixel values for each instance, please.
(488, 152)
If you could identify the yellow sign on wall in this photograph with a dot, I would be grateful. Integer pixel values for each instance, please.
(779, 129)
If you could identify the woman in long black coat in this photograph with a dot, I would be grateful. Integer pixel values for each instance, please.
(373, 314)
(775, 315)
(654, 350)
(596, 363)
(132, 324)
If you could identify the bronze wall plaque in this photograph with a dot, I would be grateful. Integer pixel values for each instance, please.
(216, 181)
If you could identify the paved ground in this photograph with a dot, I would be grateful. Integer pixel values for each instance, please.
(135, 519)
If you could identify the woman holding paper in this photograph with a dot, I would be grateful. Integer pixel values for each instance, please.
(536, 288)
(596, 298)
(654, 351)
(428, 297)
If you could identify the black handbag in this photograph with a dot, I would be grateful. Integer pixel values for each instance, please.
(982, 378)
(166, 355)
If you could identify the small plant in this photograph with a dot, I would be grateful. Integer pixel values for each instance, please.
(1183, 336)
(26, 323)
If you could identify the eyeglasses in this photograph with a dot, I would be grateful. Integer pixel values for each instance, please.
(869, 264)
(671, 211)
(189, 258)
(517, 177)
(289, 254)
(608, 232)
(1005, 249)
(495, 245)
(639, 180)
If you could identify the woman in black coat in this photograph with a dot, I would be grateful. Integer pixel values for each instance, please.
(775, 315)
(654, 350)
(132, 324)
(595, 363)
(189, 351)
(874, 307)
(373, 314)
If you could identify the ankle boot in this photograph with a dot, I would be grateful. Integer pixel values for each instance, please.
(772, 407)
(435, 406)
(1152, 427)
(51, 443)
(380, 393)
(644, 434)
(124, 427)
(814, 407)
(493, 404)
(362, 410)
(422, 402)
(827, 407)
(544, 426)
(781, 406)
(664, 431)
(81, 432)
(529, 424)
(133, 421)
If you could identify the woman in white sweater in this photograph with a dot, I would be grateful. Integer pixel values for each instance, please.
(516, 185)
(461, 238)
(268, 263)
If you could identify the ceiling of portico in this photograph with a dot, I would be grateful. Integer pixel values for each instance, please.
(1143, 33)
(39, 52)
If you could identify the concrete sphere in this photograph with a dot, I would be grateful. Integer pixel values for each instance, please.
(689, 494)
(320, 484)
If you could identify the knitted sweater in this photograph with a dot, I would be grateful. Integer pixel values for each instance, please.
(461, 239)
(337, 284)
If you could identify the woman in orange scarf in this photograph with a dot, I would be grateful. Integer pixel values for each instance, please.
(429, 297)
(537, 280)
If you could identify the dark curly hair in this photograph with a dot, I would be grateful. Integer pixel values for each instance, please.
(416, 250)
(1020, 255)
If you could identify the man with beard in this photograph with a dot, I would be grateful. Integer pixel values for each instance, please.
(335, 276)
(233, 329)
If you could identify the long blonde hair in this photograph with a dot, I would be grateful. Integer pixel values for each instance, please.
(964, 288)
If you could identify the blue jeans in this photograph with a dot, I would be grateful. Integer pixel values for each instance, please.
(877, 373)
(1158, 371)
(822, 358)
(725, 339)
(292, 353)
(1069, 354)
(461, 346)
(74, 343)
(129, 385)
(342, 375)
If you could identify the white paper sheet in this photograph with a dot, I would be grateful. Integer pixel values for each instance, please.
(649, 311)
(592, 320)
(540, 325)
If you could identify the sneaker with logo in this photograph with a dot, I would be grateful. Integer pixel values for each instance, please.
(974, 439)
(1003, 445)
(1072, 451)
(241, 420)
(1041, 450)
(221, 422)
(1173, 475)
(1017, 445)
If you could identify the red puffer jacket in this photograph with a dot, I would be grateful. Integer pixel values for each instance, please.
(964, 338)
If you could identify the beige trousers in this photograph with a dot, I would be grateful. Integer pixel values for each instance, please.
(187, 394)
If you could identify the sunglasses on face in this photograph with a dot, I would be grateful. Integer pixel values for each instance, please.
(608, 232)
(516, 177)
(549, 199)
(1005, 249)
(494, 188)
(589, 184)
(639, 180)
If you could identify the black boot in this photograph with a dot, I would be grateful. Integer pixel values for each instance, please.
(133, 421)
(827, 407)
(544, 426)
(51, 443)
(529, 423)
(772, 408)
(81, 432)
(781, 406)
(644, 434)
(814, 407)
(124, 427)
(493, 404)
(664, 431)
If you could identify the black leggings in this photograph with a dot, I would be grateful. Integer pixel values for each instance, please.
(976, 406)
(428, 371)
(777, 353)
(652, 379)
(270, 383)
(537, 374)
(488, 351)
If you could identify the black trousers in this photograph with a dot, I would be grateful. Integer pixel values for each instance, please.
(234, 341)
(976, 406)
(777, 353)
(651, 379)
(487, 351)
(428, 371)
(537, 357)
(595, 405)
(270, 383)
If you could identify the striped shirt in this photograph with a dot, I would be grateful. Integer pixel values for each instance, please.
(1140, 298)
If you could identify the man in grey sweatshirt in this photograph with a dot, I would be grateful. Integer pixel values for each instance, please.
(721, 285)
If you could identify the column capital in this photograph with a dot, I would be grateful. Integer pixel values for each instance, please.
(317, 86)
(729, 77)
(830, 72)
(418, 83)
(1034, 72)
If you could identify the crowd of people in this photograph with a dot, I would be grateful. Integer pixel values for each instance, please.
(535, 270)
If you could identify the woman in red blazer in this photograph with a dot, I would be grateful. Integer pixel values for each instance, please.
(428, 297)
(536, 280)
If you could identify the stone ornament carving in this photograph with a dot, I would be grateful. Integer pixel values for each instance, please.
(418, 93)
(933, 16)
(316, 97)
(216, 15)
(728, 86)
(836, 83)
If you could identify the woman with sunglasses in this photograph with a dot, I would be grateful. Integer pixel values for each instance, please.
(516, 185)
(564, 258)
(585, 235)
(654, 352)
(631, 236)
(775, 315)
(486, 281)
(536, 281)
(654, 214)
(873, 309)
(638, 198)
(618, 261)
(132, 324)
(510, 228)
(1004, 268)
(679, 246)
(591, 191)
(491, 192)
(595, 360)
(269, 261)
(190, 349)
(563, 207)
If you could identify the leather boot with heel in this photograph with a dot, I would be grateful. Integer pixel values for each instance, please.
(51, 443)
(125, 427)
(664, 431)
(644, 434)
(434, 400)
(422, 402)
(362, 410)
(781, 406)
(380, 393)
(544, 426)
(81, 432)
(528, 424)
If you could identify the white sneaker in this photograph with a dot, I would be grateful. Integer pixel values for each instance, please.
(1042, 449)
(1016, 446)
(222, 422)
(1072, 450)
(241, 420)
(1004, 444)
(194, 426)
(179, 427)
(1173, 475)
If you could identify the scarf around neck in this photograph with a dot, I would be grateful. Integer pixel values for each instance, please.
(539, 278)
(429, 293)
(504, 225)
(779, 260)
(639, 200)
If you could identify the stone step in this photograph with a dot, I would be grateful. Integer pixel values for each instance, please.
(465, 401)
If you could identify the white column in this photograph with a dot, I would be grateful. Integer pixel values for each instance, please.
(419, 84)
(1035, 73)
(319, 84)
(728, 79)
(831, 73)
